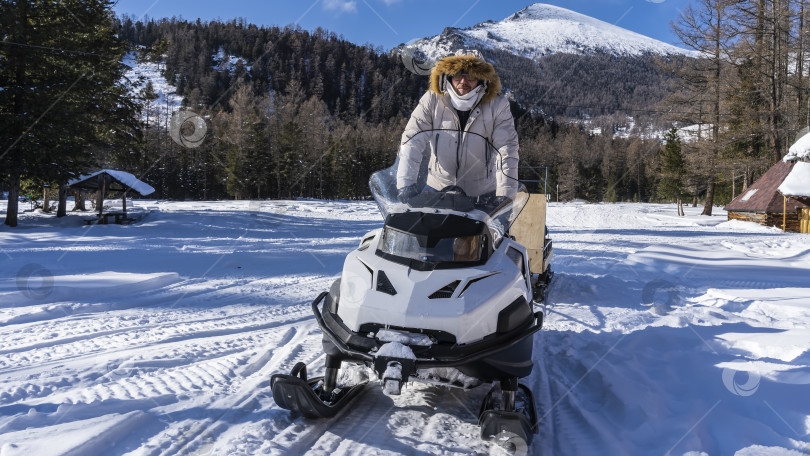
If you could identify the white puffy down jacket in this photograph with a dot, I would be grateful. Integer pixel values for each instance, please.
(461, 158)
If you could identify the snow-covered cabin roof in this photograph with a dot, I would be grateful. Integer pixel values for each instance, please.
(125, 180)
(763, 195)
(800, 150)
(797, 183)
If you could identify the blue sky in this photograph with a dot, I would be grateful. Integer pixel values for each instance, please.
(387, 23)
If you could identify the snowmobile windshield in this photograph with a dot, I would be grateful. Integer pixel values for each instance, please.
(497, 213)
(454, 250)
(434, 240)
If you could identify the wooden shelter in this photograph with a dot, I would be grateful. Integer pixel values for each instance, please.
(764, 204)
(107, 181)
(796, 186)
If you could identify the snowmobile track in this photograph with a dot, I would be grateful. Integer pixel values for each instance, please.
(242, 402)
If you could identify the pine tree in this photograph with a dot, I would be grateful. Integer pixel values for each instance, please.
(673, 168)
(63, 100)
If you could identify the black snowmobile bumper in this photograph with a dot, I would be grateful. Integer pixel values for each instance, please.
(495, 348)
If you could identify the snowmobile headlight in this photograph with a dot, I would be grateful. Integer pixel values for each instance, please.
(467, 248)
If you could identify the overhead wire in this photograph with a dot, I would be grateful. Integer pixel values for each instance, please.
(650, 111)
(68, 51)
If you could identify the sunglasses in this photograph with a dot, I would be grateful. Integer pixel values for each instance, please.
(460, 76)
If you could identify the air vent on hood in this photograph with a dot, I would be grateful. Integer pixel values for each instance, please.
(446, 291)
(384, 285)
(463, 290)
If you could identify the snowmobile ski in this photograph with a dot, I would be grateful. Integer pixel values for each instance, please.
(510, 414)
(296, 393)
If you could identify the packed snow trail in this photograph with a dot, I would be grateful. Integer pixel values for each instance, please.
(663, 335)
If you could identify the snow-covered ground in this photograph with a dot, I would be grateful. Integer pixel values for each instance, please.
(664, 335)
(227, 62)
(167, 101)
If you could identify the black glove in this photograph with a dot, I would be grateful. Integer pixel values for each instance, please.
(500, 201)
(404, 194)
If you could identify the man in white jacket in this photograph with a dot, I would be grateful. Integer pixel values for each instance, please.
(469, 129)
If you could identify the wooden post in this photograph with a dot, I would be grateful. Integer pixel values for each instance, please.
(61, 211)
(102, 182)
(125, 204)
(784, 214)
(78, 197)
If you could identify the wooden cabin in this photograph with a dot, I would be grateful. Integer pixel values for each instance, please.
(764, 204)
(796, 186)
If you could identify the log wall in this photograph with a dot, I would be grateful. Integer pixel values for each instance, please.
(769, 219)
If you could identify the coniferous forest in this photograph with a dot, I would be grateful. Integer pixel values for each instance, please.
(307, 114)
(292, 113)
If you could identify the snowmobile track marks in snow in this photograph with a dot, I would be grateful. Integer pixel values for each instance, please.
(243, 399)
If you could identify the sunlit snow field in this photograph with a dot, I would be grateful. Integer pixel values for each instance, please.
(663, 335)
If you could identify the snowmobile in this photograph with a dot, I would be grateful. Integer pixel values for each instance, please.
(442, 293)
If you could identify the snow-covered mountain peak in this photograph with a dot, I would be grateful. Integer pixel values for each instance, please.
(541, 29)
(546, 11)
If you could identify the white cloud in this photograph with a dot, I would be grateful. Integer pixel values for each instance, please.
(390, 2)
(340, 5)
(655, 1)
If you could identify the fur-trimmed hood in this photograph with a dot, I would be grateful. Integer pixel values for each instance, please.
(471, 65)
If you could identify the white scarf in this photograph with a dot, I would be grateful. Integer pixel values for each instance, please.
(465, 102)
